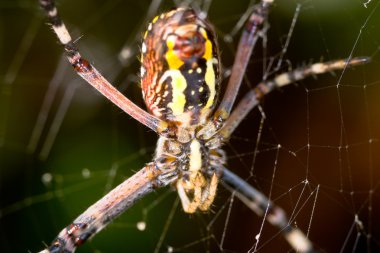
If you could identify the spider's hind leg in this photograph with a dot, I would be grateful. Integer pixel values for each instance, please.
(254, 96)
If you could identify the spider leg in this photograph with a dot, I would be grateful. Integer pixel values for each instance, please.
(209, 193)
(253, 97)
(105, 210)
(190, 206)
(263, 207)
(253, 198)
(95, 78)
(247, 42)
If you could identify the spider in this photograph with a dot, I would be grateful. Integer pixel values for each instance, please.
(180, 80)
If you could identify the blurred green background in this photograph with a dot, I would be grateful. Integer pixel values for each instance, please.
(46, 182)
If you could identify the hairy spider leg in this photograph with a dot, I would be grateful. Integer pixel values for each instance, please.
(249, 37)
(108, 208)
(89, 73)
(263, 207)
(254, 96)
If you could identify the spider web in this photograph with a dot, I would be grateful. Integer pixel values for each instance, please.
(312, 147)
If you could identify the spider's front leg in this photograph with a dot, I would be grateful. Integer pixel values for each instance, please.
(251, 33)
(209, 193)
(89, 73)
(203, 192)
(194, 184)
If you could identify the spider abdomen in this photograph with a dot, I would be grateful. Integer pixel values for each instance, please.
(180, 67)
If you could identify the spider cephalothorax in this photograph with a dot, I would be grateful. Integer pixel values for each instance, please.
(180, 70)
(194, 167)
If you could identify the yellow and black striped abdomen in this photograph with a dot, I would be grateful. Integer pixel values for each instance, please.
(180, 67)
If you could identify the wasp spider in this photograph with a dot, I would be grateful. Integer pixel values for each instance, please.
(180, 79)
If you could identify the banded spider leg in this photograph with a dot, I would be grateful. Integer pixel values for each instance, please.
(97, 216)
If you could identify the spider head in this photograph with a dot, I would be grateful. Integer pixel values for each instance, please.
(180, 68)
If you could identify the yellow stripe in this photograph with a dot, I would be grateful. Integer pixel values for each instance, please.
(208, 50)
(210, 73)
(210, 81)
(155, 19)
(173, 61)
(178, 87)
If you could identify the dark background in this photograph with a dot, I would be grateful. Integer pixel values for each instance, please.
(341, 124)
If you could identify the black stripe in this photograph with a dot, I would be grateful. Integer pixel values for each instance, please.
(56, 21)
(47, 5)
